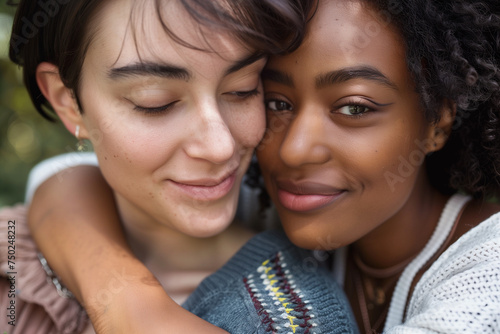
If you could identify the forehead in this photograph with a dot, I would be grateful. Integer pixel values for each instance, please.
(128, 30)
(345, 33)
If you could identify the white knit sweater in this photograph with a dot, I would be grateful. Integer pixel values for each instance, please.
(460, 292)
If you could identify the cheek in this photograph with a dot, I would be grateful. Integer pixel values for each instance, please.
(126, 147)
(276, 128)
(268, 151)
(247, 123)
(392, 159)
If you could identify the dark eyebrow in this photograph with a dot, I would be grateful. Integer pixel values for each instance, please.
(238, 65)
(150, 69)
(350, 73)
(278, 77)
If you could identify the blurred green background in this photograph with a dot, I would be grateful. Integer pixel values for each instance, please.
(25, 137)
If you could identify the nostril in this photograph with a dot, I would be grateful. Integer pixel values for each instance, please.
(212, 142)
(295, 153)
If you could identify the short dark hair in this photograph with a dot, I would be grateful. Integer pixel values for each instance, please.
(58, 32)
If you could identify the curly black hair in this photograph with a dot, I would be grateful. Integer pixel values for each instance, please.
(453, 51)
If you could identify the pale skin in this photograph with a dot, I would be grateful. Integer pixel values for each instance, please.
(174, 130)
(352, 163)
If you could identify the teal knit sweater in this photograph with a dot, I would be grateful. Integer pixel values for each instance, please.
(272, 286)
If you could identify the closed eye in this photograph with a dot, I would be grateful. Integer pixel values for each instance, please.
(155, 110)
(246, 94)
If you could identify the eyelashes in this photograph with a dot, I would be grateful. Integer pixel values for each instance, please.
(246, 94)
(238, 95)
(352, 108)
(359, 107)
(155, 110)
(355, 110)
(278, 105)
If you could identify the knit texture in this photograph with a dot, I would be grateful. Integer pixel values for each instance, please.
(460, 292)
(271, 286)
(443, 229)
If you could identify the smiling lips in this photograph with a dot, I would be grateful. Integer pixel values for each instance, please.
(306, 196)
(207, 189)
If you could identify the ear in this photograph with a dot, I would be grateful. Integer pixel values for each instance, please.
(60, 97)
(441, 130)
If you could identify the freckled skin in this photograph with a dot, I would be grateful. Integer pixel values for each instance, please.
(208, 131)
(316, 140)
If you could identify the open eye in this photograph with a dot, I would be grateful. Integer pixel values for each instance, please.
(278, 105)
(353, 110)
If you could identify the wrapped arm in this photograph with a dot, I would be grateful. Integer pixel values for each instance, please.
(75, 224)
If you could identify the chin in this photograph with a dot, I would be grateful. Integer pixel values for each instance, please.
(300, 239)
(209, 232)
(311, 237)
(208, 225)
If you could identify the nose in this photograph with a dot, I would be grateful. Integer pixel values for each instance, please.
(305, 140)
(210, 138)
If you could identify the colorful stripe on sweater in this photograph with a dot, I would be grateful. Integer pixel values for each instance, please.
(277, 299)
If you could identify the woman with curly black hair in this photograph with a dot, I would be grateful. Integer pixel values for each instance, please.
(382, 144)
(384, 137)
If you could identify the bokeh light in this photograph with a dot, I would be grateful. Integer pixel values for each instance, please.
(25, 137)
(5, 29)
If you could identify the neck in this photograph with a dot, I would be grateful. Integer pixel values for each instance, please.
(406, 233)
(165, 250)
